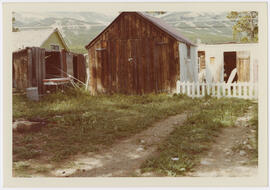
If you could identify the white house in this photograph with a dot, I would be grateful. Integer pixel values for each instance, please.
(217, 61)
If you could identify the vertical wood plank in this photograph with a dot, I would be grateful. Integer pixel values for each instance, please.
(43, 70)
(29, 70)
(218, 90)
(245, 90)
(155, 68)
(234, 89)
(98, 67)
(184, 87)
(198, 90)
(203, 89)
(224, 89)
(116, 57)
(193, 89)
(188, 88)
(111, 62)
(93, 70)
(239, 90)
(208, 89)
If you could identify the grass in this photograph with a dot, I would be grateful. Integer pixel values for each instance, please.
(189, 141)
(254, 141)
(79, 123)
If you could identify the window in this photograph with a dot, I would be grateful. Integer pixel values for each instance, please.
(188, 51)
(212, 60)
(201, 60)
(55, 47)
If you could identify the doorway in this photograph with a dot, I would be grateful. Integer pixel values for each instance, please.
(229, 65)
(201, 60)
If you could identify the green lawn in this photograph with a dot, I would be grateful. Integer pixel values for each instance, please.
(79, 123)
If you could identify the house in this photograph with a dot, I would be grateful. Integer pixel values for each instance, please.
(49, 39)
(217, 61)
(138, 54)
(43, 54)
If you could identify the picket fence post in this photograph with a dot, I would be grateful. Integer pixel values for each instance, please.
(234, 89)
(244, 90)
(203, 89)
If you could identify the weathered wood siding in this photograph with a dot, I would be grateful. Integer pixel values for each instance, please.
(20, 70)
(53, 64)
(243, 66)
(32, 65)
(81, 69)
(29, 68)
(133, 56)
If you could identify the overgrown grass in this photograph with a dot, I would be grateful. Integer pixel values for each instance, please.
(78, 122)
(254, 142)
(193, 138)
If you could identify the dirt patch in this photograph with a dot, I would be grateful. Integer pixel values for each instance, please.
(229, 155)
(125, 157)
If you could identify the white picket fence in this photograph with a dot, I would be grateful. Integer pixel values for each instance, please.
(243, 90)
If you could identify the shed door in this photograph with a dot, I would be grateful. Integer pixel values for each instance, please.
(243, 66)
(140, 66)
(132, 66)
(126, 66)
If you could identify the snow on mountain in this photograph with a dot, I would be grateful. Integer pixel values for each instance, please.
(79, 28)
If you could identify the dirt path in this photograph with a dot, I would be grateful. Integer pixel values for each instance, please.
(125, 157)
(229, 157)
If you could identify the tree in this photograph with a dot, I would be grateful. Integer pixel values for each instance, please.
(245, 26)
(14, 29)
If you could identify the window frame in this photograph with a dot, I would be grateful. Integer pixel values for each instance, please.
(52, 47)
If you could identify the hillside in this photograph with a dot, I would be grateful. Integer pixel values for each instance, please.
(79, 28)
(208, 27)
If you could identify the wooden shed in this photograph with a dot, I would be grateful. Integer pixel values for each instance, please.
(43, 54)
(137, 54)
(33, 64)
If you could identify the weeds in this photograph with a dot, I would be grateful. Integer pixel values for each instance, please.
(78, 122)
(189, 141)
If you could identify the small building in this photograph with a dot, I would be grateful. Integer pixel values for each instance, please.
(49, 39)
(43, 54)
(217, 61)
(138, 54)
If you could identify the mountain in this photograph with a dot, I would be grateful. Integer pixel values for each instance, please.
(79, 28)
(204, 26)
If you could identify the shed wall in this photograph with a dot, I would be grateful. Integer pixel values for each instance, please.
(20, 70)
(134, 57)
(188, 66)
